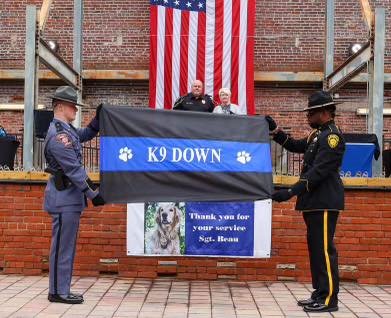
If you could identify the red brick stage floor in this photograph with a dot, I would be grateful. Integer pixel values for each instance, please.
(26, 296)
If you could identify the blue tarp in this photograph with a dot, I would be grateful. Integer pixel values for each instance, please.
(357, 161)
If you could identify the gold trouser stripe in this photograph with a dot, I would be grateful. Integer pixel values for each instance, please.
(326, 255)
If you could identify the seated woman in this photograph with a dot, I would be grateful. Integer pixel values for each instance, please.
(225, 106)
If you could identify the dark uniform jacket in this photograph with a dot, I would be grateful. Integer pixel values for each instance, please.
(320, 182)
(203, 103)
(63, 153)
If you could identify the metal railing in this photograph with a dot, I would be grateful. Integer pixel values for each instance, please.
(90, 151)
(283, 161)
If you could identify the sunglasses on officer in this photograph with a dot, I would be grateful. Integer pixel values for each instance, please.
(312, 112)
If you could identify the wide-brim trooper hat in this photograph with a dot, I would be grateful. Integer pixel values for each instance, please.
(320, 99)
(66, 94)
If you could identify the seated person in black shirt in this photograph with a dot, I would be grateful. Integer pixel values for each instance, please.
(195, 100)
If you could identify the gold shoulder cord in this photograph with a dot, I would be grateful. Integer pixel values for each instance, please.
(311, 136)
(285, 141)
(306, 184)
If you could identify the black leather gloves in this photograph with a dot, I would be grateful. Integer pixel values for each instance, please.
(271, 122)
(98, 109)
(282, 195)
(94, 123)
(98, 200)
(298, 188)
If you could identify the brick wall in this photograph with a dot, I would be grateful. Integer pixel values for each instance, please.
(289, 35)
(363, 240)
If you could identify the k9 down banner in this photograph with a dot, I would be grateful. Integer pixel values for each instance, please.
(158, 155)
(231, 229)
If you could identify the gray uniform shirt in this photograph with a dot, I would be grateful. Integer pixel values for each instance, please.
(63, 152)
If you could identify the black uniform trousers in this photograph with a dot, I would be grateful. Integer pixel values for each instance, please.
(323, 255)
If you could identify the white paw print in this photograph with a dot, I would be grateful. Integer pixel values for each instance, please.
(125, 154)
(243, 157)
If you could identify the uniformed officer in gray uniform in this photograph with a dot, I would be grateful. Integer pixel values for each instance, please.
(67, 190)
(320, 196)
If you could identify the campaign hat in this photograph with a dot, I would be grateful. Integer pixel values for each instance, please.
(319, 99)
(66, 94)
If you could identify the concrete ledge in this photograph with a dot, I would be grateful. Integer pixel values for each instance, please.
(33, 176)
(279, 180)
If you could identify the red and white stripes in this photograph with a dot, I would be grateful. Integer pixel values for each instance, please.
(215, 47)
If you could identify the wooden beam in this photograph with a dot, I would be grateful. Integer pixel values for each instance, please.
(116, 74)
(288, 76)
(14, 106)
(44, 14)
(15, 74)
(19, 75)
(135, 75)
(367, 13)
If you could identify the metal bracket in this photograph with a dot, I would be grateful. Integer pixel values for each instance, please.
(55, 63)
(350, 68)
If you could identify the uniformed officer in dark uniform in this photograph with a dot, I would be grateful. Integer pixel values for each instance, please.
(320, 196)
(67, 190)
(195, 101)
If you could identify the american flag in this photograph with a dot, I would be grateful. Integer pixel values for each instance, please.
(209, 40)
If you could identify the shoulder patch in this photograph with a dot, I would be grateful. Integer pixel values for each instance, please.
(333, 140)
(64, 139)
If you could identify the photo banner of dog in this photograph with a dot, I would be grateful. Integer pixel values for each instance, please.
(149, 155)
(229, 229)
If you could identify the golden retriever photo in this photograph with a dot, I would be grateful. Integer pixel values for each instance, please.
(163, 233)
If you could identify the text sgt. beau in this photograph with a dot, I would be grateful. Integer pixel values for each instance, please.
(174, 154)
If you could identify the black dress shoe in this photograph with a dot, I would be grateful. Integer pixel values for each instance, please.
(317, 307)
(70, 299)
(76, 295)
(305, 302)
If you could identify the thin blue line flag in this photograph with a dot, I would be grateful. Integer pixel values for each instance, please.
(162, 155)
